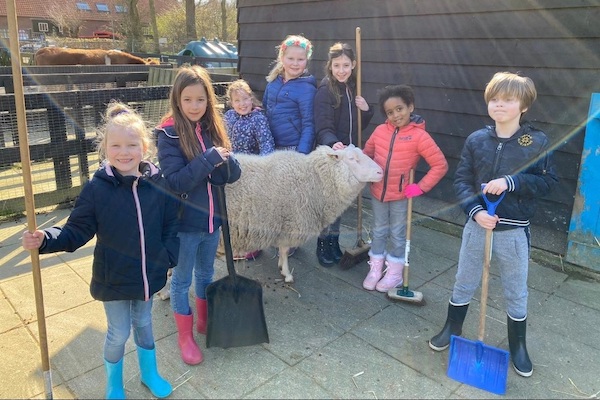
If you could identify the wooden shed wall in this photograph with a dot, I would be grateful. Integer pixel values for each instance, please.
(447, 50)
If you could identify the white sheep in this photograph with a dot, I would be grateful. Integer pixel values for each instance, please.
(285, 198)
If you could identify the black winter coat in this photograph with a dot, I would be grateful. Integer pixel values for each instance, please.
(523, 160)
(107, 208)
(338, 124)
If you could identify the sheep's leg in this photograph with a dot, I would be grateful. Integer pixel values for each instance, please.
(283, 265)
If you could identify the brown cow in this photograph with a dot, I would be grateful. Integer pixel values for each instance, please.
(64, 56)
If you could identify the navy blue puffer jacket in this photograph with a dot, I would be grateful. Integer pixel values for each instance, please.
(121, 211)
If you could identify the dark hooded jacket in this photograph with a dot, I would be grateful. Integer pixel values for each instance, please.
(523, 160)
(194, 181)
(338, 124)
(135, 223)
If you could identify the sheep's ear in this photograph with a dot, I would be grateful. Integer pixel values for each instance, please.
(333, 155)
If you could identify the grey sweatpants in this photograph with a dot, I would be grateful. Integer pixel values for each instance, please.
(510, 253)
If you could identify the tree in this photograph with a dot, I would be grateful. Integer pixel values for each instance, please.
(67, 18)
(154, 26)
(133, 27)
(224, 36)
(190, 20)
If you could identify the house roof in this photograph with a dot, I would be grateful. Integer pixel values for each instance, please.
(38, 8)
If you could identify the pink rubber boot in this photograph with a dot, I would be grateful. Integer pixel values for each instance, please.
(190, 352)
(393, 274)
(376, 271)
(202, 310)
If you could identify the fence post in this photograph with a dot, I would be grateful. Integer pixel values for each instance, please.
(58, 135)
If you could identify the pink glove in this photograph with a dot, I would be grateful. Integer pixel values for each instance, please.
(412, 190)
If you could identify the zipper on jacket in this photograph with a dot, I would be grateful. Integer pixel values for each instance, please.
(387, 163)
(211, 209)
(349, 97)
(138, 209)
(496, 159)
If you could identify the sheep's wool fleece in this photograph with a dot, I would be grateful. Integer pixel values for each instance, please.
(286, 197)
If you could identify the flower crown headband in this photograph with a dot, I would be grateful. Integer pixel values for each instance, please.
(299, 42)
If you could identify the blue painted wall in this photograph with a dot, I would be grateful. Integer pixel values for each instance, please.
(584, 230)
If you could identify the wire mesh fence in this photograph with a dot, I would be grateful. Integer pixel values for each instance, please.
(62, 122)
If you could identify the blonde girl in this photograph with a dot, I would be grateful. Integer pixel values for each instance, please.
(127, 207)
(288, 97)
(247, 126)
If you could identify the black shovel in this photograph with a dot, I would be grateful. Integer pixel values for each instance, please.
(236, 316)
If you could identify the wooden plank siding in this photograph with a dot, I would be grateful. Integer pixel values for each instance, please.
(447, 50)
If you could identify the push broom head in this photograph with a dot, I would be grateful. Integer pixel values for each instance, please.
(404, 294)
(354, 256)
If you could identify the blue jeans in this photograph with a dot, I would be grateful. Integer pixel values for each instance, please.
(197, 251)
(389, 222)
(121, 315)
(333, 229)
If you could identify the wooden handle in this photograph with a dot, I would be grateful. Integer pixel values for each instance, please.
(360, 240)
(487, 255)
(358, 87)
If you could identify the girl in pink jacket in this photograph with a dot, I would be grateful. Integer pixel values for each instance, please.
(397, 146)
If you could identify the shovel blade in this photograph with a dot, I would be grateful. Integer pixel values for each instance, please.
(236, 315)
(478, 365)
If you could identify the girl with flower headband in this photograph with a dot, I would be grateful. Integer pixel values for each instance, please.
(127, 207)
(288, 97)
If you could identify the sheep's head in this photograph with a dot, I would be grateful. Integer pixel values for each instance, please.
(361, 166)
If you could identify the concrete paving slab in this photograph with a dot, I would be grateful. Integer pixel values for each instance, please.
(9, 318)
(290, 384)
(350, 368)
(76, 339)
(21, 369)
(584, 292)
(404, 335)
(566, 317)
(62, 290)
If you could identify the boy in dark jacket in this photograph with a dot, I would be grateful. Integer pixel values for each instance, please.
(510, 158)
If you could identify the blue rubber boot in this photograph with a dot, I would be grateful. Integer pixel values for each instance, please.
(114, 380)
(149, 373)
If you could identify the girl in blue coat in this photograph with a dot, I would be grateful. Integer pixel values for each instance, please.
(127, 207)
(195, 154)
(288, 97)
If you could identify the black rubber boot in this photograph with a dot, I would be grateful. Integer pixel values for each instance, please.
(453, 326)
(334, 245)
(518, 348)
(324, 253)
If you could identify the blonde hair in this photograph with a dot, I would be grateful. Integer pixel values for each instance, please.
(514, 85)
(188, 76)
(241, 85)
(289, 41)
(120, 116)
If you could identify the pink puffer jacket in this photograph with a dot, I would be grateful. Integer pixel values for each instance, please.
(399, 151)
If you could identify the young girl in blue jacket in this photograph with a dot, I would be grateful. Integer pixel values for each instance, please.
(247, 126)
(336, 108)
(127, 207)
(194, 153)
(289, 95)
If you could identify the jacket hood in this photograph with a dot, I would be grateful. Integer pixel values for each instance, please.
(106, 172)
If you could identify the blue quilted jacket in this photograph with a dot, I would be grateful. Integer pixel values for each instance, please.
(289, 109)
